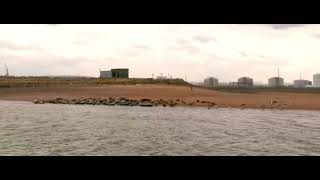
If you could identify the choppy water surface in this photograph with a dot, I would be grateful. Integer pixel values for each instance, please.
(28, 129)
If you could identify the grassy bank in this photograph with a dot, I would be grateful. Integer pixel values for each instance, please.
(11, 82)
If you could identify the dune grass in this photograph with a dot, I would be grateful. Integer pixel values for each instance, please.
(11, 82)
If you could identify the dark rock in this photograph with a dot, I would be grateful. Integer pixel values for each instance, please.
(273, 102)
(123, 99)
(146, 104)
(123, 103)
(59, 98)
(109, 103)
(144, 100)
(35, 101)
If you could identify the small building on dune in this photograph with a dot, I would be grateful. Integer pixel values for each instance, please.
(105, 74)
(120, 73)
(115, 73)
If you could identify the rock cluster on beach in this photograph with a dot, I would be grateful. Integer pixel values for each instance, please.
(118, 101)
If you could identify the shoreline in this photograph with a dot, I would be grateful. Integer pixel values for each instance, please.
(259, 100)
(178, 106)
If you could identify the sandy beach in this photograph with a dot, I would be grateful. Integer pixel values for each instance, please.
(282, 100)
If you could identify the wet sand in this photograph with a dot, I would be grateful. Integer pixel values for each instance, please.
(281, 100)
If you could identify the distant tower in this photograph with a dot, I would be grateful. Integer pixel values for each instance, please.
(7, 71)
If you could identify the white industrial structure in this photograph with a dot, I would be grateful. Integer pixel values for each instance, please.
(7, 70)
(316, 80)
(301, 83)
(211, 82)
(276, 81)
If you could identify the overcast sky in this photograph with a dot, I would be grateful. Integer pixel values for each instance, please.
(197, 51)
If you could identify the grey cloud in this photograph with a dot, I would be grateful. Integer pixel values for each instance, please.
(185, 45)
(187, 48)
(141, 47)
(265, 56)
(16, 47)
(182, 42)
(285, 26)
(80, 43)
(317, 36)
(268, 60)
(203, 39)
(43, 65)
(244, 54)
(281, 26)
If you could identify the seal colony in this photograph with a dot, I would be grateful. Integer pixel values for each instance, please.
(122, 101)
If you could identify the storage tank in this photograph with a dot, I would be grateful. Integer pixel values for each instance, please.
(276, 82)
(211, 82)
(316, 80)
(245, 82)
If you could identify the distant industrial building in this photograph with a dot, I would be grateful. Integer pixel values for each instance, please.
(276, 82)
(245, 82)
(316, 80)
(120, 73)
(233, 84)
(211, 82)
(302, 83)
(115, 73)
(162, 77)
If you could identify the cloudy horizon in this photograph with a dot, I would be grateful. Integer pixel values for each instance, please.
(225, 51)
